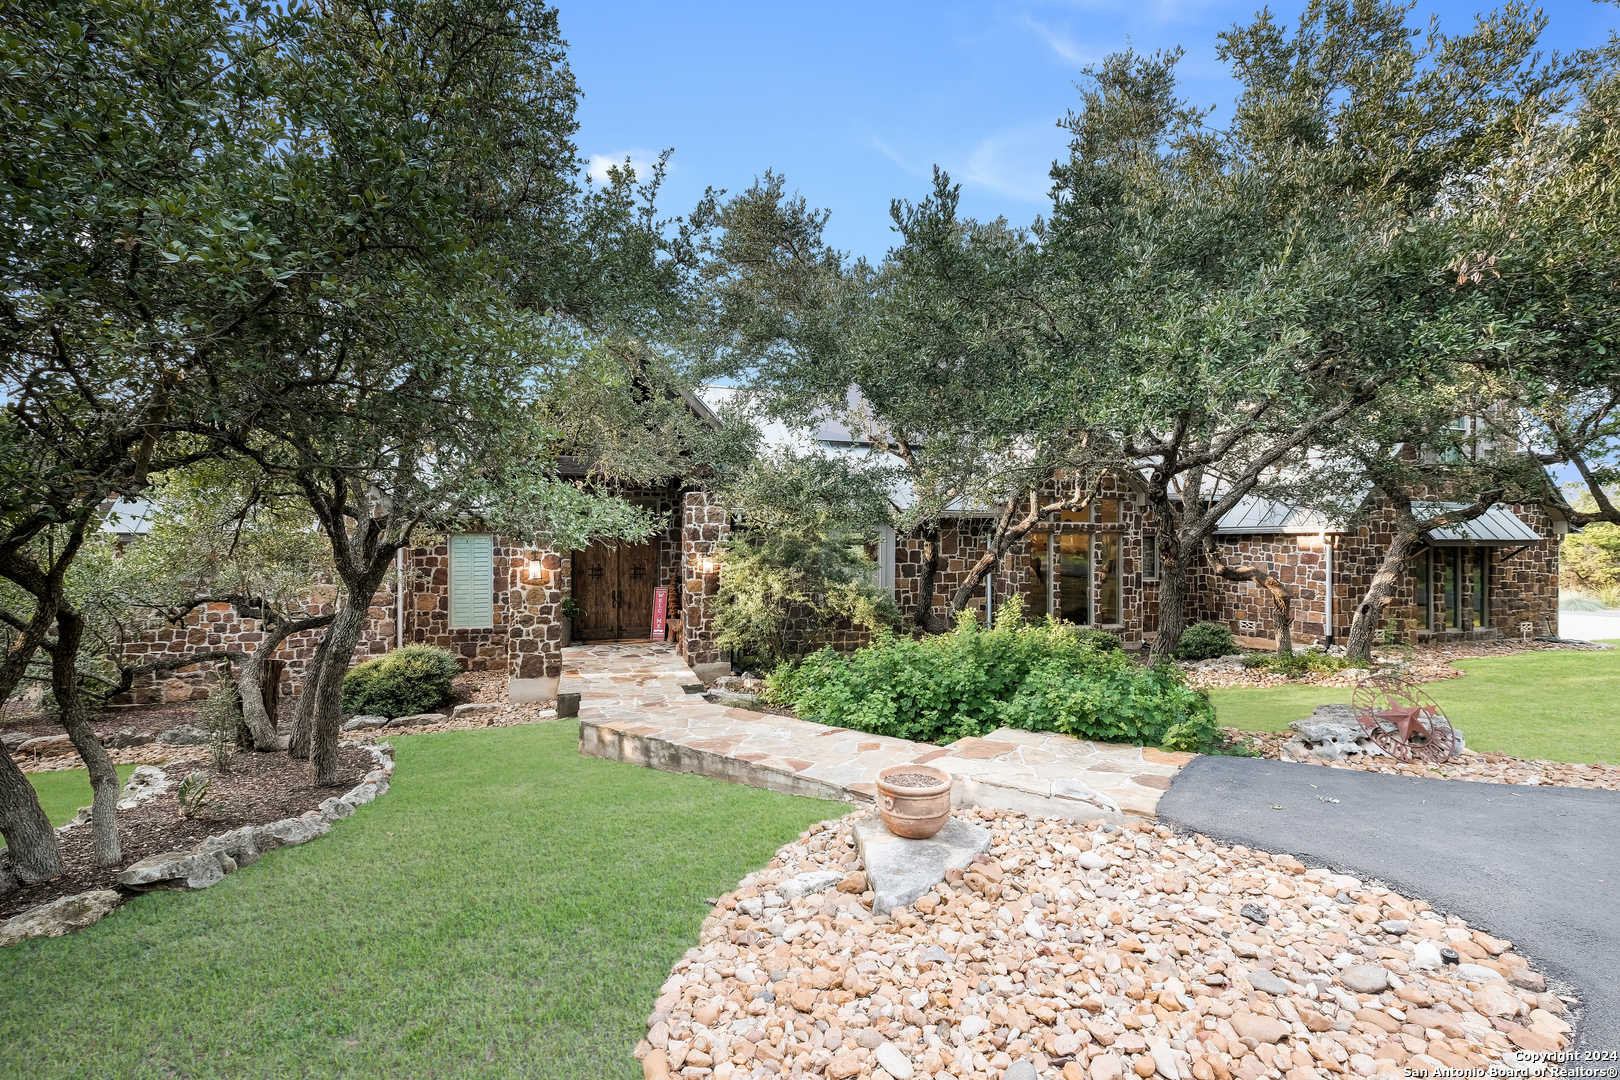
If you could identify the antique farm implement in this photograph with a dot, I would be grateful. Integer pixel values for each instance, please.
(1403, 720)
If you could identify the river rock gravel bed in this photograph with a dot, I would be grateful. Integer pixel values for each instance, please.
(1419, 663)
(1487, 768)
(1088, 952)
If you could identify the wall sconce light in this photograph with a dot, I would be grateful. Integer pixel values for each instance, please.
(535, 569)
(708, 566)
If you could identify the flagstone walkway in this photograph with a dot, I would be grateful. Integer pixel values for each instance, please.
(634, 707)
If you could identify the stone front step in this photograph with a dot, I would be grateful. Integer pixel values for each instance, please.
(633, 708)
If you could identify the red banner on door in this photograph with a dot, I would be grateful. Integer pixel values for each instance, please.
(660, 602)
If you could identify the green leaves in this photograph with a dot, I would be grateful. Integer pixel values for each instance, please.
(1046, 677)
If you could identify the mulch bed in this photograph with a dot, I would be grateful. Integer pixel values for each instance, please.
(259, 789)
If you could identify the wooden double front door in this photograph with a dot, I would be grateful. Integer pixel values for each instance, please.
(615, 587)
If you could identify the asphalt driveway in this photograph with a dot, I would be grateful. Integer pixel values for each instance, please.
(1538, 865)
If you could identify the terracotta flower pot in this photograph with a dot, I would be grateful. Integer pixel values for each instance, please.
(912, 809)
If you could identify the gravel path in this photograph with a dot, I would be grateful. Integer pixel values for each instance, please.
(1535, 864)
(1088, 953)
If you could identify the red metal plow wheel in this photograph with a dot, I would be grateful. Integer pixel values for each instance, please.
(1403, 720)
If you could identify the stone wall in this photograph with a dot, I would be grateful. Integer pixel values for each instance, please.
(427, 605)
(1523, 588)
(217, 626)
(1299, 562)
(704, 527)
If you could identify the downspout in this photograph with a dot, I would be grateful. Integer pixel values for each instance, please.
(399, 598)
(1327, 617)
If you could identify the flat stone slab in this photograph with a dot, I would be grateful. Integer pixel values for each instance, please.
(635, 706)
(899, 870)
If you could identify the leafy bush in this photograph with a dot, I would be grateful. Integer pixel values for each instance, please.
(796, 568)
(1043, 677)
(221, 715)
(1205, 641)
(410, 680)
(1297, 664)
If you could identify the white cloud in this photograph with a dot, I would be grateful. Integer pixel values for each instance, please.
(641, 160)
(1059, 40)
(893, 155)
(1016, 162)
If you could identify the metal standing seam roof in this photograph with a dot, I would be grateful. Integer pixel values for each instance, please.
(1255, 516)
(1498, 525)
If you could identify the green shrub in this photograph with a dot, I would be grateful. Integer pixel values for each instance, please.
(410, 680)
(1043, 677)
(1297, 664)
(1101, 640)
(1205, 641)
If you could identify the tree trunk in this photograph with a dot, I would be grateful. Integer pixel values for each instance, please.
(1172, 596)
(31, 840)
(1281, 599)
(103, 773)
(327, 712)
(302, 734)
(924, 616)
(1370, 612)
(258, 719)
(1008, 534)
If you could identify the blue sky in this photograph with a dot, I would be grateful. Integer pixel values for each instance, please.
(856, 102)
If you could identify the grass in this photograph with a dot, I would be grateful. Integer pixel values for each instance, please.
(509, 908)
(61, 793)
(1561, 706)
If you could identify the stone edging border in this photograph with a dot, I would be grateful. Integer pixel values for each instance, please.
(205, 864)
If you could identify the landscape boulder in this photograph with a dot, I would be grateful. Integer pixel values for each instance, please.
(365, 723)
(145, 783)
(1332, 733)
(120, 740)
(1229, 662)
(209, 862)
(474, 709)
(186, 735)
(733, 700)
(47, 746)
(418, 719)
(61, 916)
(13, 739)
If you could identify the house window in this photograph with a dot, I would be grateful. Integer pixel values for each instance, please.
(472, 581)
(1105, 557)
(1150, 558)
(1479, 586)
(1040, 575)
(882, 553)
(1420, 593)
(1449, 558)
(1084, 581)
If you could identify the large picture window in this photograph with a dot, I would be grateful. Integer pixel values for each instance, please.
(1076, 576)
(1451, 588)
(472, 581)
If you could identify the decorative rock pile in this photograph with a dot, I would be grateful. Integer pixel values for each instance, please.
(1332, 733)
(1087, 953)
(209, 861)
(1488, 768)
(205, 864)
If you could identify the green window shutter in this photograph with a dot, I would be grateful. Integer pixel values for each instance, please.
(472, 581)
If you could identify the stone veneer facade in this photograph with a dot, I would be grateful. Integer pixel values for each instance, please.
(527, 635)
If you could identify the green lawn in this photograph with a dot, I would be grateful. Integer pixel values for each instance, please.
(508, 909)
(61, 793)
(1562, 706)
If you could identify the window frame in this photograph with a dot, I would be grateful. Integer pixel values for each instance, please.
(452, 583)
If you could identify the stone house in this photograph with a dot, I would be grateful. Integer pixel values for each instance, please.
(499, 604)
